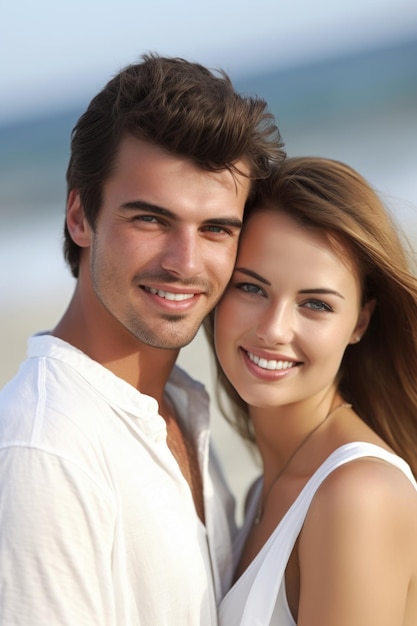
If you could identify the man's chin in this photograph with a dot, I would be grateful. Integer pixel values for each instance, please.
(169, 340)
(171, 343)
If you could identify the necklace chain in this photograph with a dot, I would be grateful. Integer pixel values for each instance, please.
(263, 502)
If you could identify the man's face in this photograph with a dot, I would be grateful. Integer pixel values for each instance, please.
(165, 242)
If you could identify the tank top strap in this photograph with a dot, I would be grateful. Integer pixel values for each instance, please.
(261, 599)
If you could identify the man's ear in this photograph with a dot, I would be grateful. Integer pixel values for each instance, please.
(77, 224)
(363, 321)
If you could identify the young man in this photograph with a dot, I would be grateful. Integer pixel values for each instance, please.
(111, 512)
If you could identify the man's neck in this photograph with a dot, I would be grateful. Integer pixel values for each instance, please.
(144, 367)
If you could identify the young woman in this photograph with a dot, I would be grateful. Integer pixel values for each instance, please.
(317, 339)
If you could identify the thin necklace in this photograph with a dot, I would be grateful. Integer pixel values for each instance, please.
(261, 508)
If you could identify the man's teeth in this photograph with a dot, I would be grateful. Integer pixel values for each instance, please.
(168, 295)
(272, 364)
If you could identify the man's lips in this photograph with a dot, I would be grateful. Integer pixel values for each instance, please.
(170, 295)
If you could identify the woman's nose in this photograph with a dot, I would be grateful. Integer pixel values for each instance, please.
(276, 324)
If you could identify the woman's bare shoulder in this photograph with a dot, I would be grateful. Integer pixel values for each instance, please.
(363, 485)
(365, 502)
(358, 546)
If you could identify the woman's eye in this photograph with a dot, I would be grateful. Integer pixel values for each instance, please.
(317, 305)
(250, 288)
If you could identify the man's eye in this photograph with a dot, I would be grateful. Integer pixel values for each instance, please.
(214, 228)
(145, 218)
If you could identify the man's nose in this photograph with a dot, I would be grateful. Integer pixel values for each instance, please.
(183, 254)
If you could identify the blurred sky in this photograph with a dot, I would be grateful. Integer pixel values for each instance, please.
(52, 52)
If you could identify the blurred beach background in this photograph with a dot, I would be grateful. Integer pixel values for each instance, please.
(341, 80)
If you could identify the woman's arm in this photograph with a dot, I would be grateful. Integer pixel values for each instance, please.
(358, 548)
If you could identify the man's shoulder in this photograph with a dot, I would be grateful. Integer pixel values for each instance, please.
(45, 395)
(47, 369)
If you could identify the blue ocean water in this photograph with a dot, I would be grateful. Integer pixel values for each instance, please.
(361, 109)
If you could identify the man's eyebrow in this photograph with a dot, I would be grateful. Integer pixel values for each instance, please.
(141, 205)
(232, 222)
(252, 274)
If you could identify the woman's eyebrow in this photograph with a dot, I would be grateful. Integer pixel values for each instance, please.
(316, 291)
(252, 274)
(322, 291)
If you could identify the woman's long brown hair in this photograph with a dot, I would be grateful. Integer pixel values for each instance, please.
(378, 375)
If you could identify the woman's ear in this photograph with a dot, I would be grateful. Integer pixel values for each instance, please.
(77, 224)
(363, 321)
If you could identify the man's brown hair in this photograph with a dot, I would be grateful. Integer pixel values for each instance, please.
(180, 106)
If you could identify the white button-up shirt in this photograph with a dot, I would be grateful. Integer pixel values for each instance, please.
(97, 523)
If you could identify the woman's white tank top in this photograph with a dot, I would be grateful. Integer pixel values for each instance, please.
(258, 597)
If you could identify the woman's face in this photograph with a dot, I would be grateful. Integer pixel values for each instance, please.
(290, 310)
